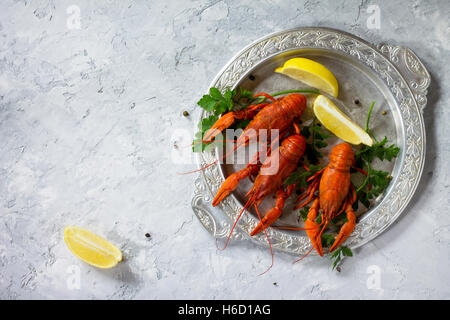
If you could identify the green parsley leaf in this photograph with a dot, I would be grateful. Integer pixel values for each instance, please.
(319, 219)
(316, 136)
(337, 258)
(207, 123)
(240, 124)
(312, 154)
(327, 240)
(319, 133)
(376, 181)
(379, 181)
(247, 94)
(347, 252)
(207, 102)
(363, 197)
(301, 175)
(203, 126)
(374, 184)
(338, 253)
(305, 132)
(320, 144)
(216, 102)
(378, 150)
(304, 213)
(215, 93)
(342, 218)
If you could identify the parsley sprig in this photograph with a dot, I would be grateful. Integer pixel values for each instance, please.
(217, 102)
(374, 184)
(304, 212)
(327, 240)
(376, 181)
(340, 252)
(316, 140)
(300, 176)
(378, 150)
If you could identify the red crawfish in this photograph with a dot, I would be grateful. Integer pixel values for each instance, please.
(336, 195)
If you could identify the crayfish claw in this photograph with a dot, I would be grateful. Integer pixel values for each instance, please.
(346, 229)
(224, 122)
(275, 212)
(267, 221)
(312, 228)
(231, 183)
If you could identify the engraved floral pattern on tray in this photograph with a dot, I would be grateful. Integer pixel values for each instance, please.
(406, 78)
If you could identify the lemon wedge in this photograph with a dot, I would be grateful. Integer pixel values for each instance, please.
(338, 123)
(312, 73)
(91, 248)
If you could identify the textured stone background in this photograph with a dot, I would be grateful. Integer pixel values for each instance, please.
(86, 117)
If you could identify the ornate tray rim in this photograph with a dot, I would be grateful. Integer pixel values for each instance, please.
(407, 80)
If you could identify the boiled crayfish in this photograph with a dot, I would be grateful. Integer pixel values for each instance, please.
(336, 195)
(279, 114)
(288, 155)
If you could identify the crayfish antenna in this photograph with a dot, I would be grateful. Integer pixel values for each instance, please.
(294, 228)
(268, 240)
(249, 203)
(312, 247)
(221, 158)
(209, 165)
(200, 142)
(262, 94)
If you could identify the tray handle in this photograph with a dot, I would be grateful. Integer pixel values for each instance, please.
(411, 68)
(211, 218)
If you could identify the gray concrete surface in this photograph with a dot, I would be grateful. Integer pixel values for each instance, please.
(86, 116)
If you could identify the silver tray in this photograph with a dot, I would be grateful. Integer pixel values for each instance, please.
(390, 75)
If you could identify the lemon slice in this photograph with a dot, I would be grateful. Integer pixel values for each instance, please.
(338, 123)
(312, 73)
(91, 248)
